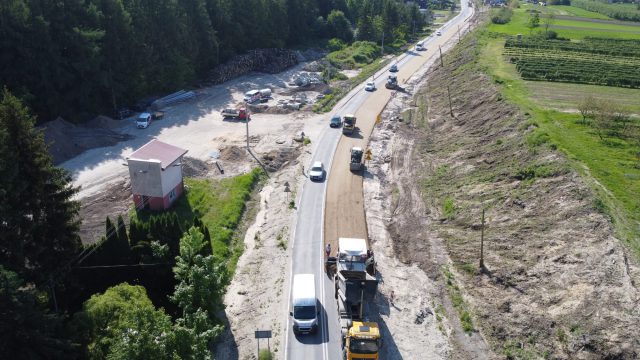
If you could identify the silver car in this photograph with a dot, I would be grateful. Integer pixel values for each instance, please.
(317, 171)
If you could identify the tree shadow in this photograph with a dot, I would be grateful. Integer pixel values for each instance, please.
(356, 134)
(225, 347)
(499, 280)
(389, 349)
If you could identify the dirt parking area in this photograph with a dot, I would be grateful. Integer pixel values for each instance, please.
(198, 127)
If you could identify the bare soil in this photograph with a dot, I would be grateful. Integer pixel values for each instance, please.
(556, 282)
(66, 140)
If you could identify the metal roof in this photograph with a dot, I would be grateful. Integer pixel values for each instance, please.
(156, 150)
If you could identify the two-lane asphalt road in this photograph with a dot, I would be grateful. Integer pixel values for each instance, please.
(342, 214)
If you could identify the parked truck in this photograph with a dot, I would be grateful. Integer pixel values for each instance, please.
(349, 124)
(355, 285)
(236, 114)
(356, 163)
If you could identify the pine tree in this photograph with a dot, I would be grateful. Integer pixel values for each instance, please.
(38, 218)
(122, 230)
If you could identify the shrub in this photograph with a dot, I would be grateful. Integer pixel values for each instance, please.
(335, 45)
(448, 208)
(265, 355)
(501, 16)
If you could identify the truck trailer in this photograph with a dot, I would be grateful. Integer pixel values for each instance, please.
(355, 285)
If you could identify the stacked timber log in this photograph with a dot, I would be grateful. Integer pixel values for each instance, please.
(264, 60)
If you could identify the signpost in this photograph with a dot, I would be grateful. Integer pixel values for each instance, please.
(286, 189)
(263, 334)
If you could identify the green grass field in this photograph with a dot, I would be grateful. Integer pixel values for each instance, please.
(612, 169)
(219, 204)
(574, 11)
(567, 96)
(571, 29)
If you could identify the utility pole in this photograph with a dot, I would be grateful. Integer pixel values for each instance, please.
(247, 123)
(414, 29)
(382, 42)
(441, 61)
(459, 36)
(450, 107)
(482, 243)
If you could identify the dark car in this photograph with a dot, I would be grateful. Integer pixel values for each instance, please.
(394, 68)
(335, 122)
(123, 113)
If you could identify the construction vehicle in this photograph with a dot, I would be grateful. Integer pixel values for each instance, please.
(392, 82)
(356, 163)
(235, 114)
(355, 285)
(349, 124)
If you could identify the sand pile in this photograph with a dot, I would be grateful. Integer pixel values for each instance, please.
(67, 140)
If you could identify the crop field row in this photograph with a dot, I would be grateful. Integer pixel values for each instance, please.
(616, 47)
(577, 71)
(554, 55)
(591, 61)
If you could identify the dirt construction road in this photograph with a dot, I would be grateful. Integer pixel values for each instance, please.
(344, 215)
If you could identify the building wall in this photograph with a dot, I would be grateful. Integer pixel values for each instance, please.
(173, 195)
(171, 177)
(146, 178)
(148, 202)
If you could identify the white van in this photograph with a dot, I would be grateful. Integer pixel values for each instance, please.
(304, 303)
(252, 96)
(420, 46)
(143, 120)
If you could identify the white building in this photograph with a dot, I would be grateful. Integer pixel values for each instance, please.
(155, 170)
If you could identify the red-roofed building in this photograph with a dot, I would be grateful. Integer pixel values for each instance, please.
(156, 175)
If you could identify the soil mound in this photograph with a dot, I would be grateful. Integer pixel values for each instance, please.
(277, 158)
(67, 140)
(104, 122)
(233, 153)
(194, 168)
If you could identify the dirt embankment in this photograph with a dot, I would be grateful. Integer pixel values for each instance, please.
(557, 283)
(67, 140)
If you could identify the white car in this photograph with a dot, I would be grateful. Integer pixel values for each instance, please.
(317, 171)
(143, 120)
(438, 33)
(371, 86)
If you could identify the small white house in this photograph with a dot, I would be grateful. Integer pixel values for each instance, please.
(155, 170)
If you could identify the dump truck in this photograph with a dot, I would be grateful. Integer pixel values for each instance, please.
(349, 124)
(355, 286)
(356, 163)
(392, 82)
(235, 114)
